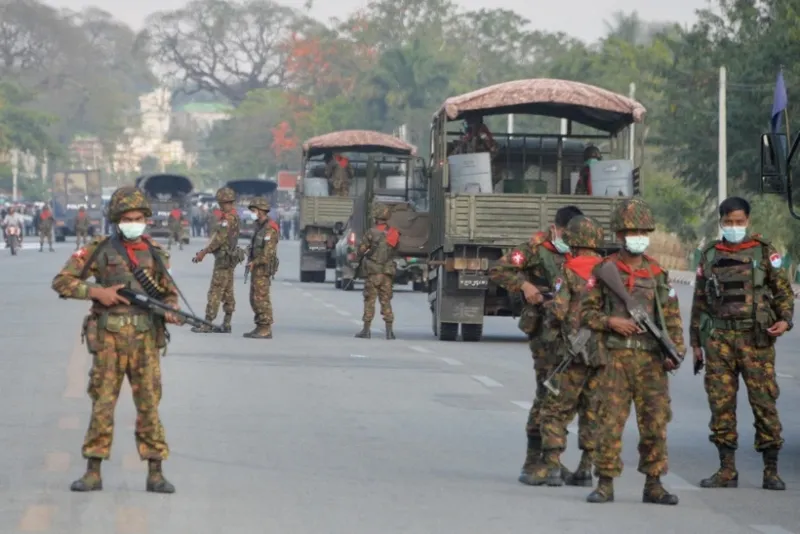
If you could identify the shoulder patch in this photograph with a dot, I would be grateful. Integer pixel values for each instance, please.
(517, 258)
(80, 253)
(699, 271)
(672, 292)
(558, 284)
(776, 260)
(223, 223)
(591, 282)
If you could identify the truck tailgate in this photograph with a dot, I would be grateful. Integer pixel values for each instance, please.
(324, 211)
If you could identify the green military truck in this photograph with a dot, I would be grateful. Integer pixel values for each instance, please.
(322, 216)
(489, 195)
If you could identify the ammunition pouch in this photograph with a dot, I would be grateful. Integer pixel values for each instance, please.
(272, 266)
(706, 328)
(765, 318)
(91, 335)
(530, 320)
(115, 323)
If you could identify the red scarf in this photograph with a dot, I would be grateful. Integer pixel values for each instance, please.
(583, 265)
(81, 214)
(176, 213)
(736, 247)
(131, 247)
(44, 215)
(643, 272)
(549, 246)
(341, 160)
(274, 226)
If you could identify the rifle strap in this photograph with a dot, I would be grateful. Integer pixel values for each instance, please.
(88, 265)
(659, 309)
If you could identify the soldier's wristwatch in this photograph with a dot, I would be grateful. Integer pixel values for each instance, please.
(790, 323)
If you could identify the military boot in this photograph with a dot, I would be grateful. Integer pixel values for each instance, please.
(203, 329)
(555, 476)
(156, 483)
(603, 493)
(726, 476)
(655, 493)
(365, 332)
(260, 332)
(389, 331)
(226, 323)
(534, 472)
(91, 480)
(583, 474)
(41, 247)
(772, 481)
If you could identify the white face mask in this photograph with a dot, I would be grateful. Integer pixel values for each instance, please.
(132, 230)
(637, 244)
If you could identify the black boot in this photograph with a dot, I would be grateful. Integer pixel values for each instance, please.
(772, 481)
(726, 476)
(156, 483)
(226, 323)
(260, 332)
(583, 474)
(534, 472)
(365, 332)
(91, 480)
(389, 331)
(603, 493)
(203, 329)
(655, 493)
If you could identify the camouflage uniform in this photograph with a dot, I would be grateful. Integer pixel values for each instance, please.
(82, 225)
(577, 384)
(123, 340)
(378, 265)
(46, 229)
(635, 370)
(263, 266)
(175, 231)
(739, 292)
(539, 263)
(584, 184)
(227, 255)
(339, 178)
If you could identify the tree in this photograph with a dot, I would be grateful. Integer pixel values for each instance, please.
(22, 128)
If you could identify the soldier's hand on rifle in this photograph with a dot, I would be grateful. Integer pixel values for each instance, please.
(108, 296)
(172, 318)
(622, 326)
(532, 295)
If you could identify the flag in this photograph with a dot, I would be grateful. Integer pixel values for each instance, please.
(779, 102)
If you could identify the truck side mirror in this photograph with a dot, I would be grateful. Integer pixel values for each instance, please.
(774, 171)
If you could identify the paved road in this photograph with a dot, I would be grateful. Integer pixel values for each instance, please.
(318, 432)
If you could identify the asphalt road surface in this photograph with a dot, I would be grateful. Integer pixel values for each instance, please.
(318, 432)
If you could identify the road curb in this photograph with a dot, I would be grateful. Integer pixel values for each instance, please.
(687, 278)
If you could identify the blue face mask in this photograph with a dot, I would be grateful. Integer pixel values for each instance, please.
(561, 247)
(734, 234)
(637, 244)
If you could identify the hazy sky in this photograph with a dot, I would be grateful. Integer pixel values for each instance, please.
(580, 18)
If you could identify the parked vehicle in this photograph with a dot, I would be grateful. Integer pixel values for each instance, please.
(167, 192)
(245, 191)
(71, 190)
(13, 239)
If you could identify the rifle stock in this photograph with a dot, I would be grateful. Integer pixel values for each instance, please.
(156, 306)
(610, 276)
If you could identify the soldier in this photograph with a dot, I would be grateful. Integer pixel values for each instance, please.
(82, 225)
(175, 226)
(636, 371)
(532, 269)
(45, 228)
(339, 174)
(376, 252)
(123, 339)
(590, 155)
(578, 384)
(226, 257)
(262, 265)
(743, 302)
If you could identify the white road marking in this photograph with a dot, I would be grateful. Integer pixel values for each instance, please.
(287, 284)
(525, 405)
(679, 484)
(306, 294)
(770, 529)
(783, 375)
(486, 381)
(328, 305)
(343, 313)
(356, 321)
(357, 356)
(417, 348)
(451, 361)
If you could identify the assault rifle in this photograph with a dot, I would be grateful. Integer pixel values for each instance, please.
(356, 271)
(610, 276)
(576, 347)
(156, 306)
(246, 273)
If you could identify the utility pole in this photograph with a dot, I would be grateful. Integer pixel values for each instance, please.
(632, 132)
(722, 164)
(14, 173)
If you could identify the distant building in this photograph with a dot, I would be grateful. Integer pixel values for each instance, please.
(201, 116)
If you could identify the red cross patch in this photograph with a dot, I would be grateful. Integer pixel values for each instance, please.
(776, 260)
(79, 253)
(699, 270)
(591, 282)
(517, 258)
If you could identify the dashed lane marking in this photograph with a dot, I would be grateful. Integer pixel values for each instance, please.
(56, 462)
(451, 361)
(306, 294)
(356, 321)
(131, 520)
(783, 375)
(287, 284)
(328, 305)
(771, 529)
(417, 348)
(69, 422)
(525, 405)
(486, 381)
(357, 356)
(343, 313)
(36, 518)
(678, 483)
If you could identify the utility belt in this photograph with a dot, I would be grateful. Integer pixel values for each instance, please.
(637, 342)
(733, 324)
(95, 324)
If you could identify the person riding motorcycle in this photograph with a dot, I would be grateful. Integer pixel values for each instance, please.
(14, 219)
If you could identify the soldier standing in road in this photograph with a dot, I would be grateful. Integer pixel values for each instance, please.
(743, 302)
(45, 228)
(636, 370)
(377, 249)
(123, 339)
(540, 262)
(227, 255)
(262, 265)
(175, 225)
(82, 225)
(579, 383)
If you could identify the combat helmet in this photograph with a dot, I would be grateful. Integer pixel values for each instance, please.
(226, 194)
(380, 212)
(259, 203)
(125, 199)
(632, 214)
(583, 232)
(590, 152)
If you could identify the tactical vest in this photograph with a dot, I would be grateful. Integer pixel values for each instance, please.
(258, 242)
(229, 255)
(735, 285)
(379, 257)
(651, 294)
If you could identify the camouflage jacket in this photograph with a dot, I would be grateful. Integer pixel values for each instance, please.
(82, 224)
(648, 286)
(264, 248)
(224, 240)
(339, 177)
(378, 254)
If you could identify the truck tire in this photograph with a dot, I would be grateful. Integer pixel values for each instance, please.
(307, 276)
(319, 277)
(419, 287)
(347, 284)
(443, 331)
(60, 237)
(471, 332)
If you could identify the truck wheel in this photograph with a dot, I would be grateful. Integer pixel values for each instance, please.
(444, 331)
(60, 237)
(319, 277)
(347, 284)
(419, 287)
(471, 332)
(306, 276)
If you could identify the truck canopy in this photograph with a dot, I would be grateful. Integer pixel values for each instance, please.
(165, 186)
(579, 102)
(252, 187)
(365, 141)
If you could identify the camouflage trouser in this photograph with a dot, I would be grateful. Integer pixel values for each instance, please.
(343, 191)
(638, 377)
(135, 355)
(260, 284)
(730, 354)
(81, 236)
(46, 232)
(578, 386)
(543, 363)
(378, 286)
(175, 236)
(221, 289)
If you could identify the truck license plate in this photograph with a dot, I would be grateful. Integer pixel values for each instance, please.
(472, 281)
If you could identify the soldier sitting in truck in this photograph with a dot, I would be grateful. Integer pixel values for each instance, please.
(478, 138)
(339, 174)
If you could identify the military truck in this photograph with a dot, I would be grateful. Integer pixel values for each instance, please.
(167, 192)
(486, 202)
(776, 168)
(245, 191)
(72, 190)
(319, 211)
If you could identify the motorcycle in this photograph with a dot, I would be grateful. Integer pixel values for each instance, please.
(13, 239)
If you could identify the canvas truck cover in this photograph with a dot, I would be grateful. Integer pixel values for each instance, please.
(414, 228)
(166, 192)
(249, 188)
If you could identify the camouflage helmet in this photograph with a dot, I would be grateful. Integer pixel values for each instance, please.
(380, 212)
(226, 194)
(259, 203)
(633, 214)
(583, 232)
(127, 199)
